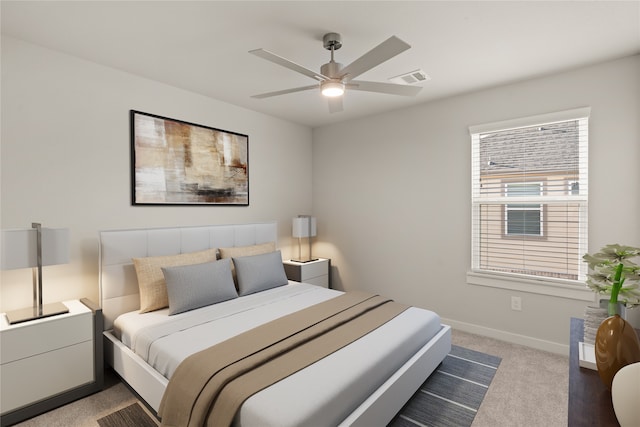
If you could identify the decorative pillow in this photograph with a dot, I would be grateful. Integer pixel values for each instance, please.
(198, 285)
(240, 251)
(260, 272)
(153, 289)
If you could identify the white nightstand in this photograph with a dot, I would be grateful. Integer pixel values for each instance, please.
(314, 272)
(48, 362)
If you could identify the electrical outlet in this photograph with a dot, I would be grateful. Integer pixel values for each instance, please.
(516, 303)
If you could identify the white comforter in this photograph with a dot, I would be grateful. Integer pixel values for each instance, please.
(340, 381)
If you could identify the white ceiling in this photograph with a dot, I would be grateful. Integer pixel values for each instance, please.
(203, 46)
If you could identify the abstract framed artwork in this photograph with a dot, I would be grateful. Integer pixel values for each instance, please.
(180, 163)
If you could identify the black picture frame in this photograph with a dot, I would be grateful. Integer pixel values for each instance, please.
(174, 162)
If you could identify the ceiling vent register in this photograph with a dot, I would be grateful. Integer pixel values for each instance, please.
(417, 76)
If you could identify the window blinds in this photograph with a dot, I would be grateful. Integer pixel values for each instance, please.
(530, 195)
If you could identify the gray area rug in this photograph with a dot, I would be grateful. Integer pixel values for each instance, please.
(452, 395)
(132, 415)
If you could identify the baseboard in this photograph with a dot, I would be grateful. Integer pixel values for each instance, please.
(536, 343)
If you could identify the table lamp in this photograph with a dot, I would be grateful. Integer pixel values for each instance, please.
(34, 247)
(304, 226)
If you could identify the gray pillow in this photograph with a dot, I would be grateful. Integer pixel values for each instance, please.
(260, 272)
(198, 285)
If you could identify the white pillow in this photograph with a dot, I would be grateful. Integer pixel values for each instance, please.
(260, 272)
(198, 285)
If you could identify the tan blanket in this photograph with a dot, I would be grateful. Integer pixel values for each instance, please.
(210, 386)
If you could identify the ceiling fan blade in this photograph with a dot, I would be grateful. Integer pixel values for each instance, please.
(265, 54)
(284, 92)
(389, 88)
(376, 56)
(335, 104)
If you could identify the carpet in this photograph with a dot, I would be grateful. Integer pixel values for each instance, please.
(452, 395)
(132, 415)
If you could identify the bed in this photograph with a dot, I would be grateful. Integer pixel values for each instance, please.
(363, 383)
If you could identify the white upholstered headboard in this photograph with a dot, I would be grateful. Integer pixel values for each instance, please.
(117, 277)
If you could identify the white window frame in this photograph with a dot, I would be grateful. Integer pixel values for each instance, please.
(572, 289)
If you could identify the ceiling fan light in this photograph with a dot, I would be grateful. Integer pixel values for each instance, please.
(332, 89)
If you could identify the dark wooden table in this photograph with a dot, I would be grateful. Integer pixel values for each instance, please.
(589, 400)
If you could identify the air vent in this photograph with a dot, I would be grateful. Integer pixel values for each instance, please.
(414, 77)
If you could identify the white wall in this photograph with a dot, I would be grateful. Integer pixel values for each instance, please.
(392, 196)
(65, 161)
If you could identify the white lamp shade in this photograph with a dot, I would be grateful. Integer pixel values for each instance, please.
(301, 227)
(19, 248)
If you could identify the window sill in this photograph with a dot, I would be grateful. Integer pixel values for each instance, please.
(570, 289)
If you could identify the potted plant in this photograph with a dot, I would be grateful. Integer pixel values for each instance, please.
(616, 342)
(613, 273)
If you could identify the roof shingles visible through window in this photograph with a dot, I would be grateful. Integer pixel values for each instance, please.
(550, 148)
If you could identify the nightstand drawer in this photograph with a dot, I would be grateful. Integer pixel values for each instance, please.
(319, 281)
(313, 269)
(35, 378)
(44, 335)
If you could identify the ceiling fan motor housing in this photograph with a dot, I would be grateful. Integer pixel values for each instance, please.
(331, 69)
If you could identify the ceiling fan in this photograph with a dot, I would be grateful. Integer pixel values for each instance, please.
(333, 78)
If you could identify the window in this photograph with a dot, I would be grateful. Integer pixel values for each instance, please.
(524, 219)
(529, 197)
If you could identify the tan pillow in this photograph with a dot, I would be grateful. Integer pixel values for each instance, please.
(153, 288)
(238, 251)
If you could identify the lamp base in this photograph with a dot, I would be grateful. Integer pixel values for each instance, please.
(302, 261)
(32, 313)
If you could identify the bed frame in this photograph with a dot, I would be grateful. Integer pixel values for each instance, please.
(119, 294)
